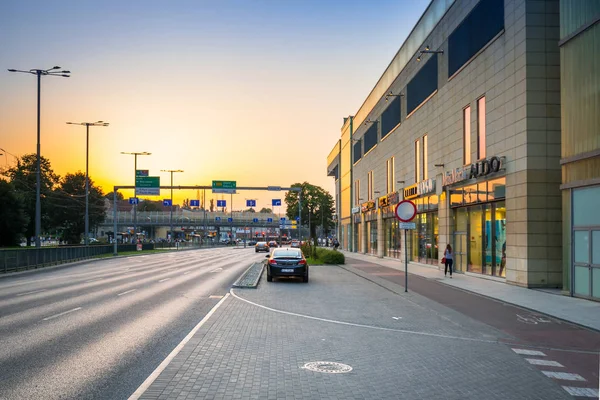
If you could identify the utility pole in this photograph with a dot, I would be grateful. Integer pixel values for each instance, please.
(171, 213)
(135, 205)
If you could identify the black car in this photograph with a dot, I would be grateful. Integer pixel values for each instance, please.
(287, 262)
(251, 242)
(261, 246)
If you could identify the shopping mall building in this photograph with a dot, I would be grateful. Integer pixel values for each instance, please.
(466, 122)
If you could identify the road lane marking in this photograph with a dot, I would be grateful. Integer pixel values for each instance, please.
(581, 392)
(217, 270)
(93, 280)
(397, 318)
(166, 279)
(186, 272)
(33, 292)
(215, 297)
(146, 384)
(564, 376)
(379, 328)
(547, 363)
(129, 291)
(529, 352)
(62, 313)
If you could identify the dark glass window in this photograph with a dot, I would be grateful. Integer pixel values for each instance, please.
(357, 151)
(390, 117)
(370, 137)
(422, 85)
(484, 22)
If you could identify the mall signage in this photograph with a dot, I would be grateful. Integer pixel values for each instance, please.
(368, 206)
(476, 170)
(419, 189)
(355, 210)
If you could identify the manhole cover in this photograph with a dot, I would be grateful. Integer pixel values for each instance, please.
(328, 367)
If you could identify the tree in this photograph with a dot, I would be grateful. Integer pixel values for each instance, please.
(317, 207)
(266, 211)
(250, 210)
(150, 205)
(69, 212)
(13, 218)
(212, 205)
(24, 179)
(110, 196)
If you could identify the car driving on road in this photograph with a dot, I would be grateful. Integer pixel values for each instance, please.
(261, 246)
(287, 262)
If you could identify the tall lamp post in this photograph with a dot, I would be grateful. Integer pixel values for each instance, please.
(54, 71)
(171, 215)
(135, 154)
(87, 180)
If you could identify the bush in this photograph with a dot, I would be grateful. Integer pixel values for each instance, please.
(330, 256)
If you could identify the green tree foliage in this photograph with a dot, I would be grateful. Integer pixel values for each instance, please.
(110, 195)
(150, 205)
(317, 208)
(24, 180)
(265, 210)
(13, 219)
(69, 213)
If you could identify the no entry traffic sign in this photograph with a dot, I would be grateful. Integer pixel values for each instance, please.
(405, 211)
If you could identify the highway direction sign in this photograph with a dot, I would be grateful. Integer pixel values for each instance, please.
(269, 219)
(255, 220)
(147, 185)
(218, 219)
(276, 202)
(224, 187)
(250, 203)
(167, 202)
(221, 203)
(134, 200)
(194, 203)
(141, 172)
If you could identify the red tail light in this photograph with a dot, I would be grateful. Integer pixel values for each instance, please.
(272, 262)
(302, 262)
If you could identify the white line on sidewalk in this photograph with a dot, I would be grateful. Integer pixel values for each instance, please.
(529, 352)
(581, 392)
(166, 279)
(62, 313)
(35, 291)
(144, 386)
(129, 291)
(547, 363)
(565, 376)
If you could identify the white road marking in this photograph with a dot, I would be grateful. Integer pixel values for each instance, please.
(186, 272)
(379, 328)
(217, 270)
(581, 392)
(397, 318)
(35, 291)
(565, 376)
(547, 363)
(529, 352)
(215, 297)
(62, 313)
(129, 291)
(166, 279)
(93, 280)
(144, 386)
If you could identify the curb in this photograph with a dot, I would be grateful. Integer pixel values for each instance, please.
(250, 277)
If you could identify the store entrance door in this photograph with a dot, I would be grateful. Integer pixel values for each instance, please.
(460, 251)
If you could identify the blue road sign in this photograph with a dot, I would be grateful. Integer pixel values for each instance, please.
(167, 202)
(218, 219)
(255, 220)
(269, 219)
(194, 203)
(276, 202)
(221, 203)
(297, 219)
(282, 219)
(229, 219)
(250, 203)
(134, 200)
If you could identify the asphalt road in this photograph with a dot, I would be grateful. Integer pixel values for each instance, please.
(96, 330)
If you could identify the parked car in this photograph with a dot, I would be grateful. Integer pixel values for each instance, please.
(261, 246)
(286, 262)
(295, 244)
(251, 242)
(273, 244)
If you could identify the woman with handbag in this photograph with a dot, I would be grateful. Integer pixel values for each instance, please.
(448, 260)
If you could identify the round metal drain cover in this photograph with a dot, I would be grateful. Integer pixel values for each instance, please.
(328, 367)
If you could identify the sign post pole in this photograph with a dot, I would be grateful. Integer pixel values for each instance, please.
(405, 212)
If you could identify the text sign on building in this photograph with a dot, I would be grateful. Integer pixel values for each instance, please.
(419, 189)
(224, 187)
(355, 210)
(475, 170)
(368, 206)
(147, 185)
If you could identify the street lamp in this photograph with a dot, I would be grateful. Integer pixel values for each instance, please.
(87, 180)
(38, 205)
(171, 215)
(135, 154)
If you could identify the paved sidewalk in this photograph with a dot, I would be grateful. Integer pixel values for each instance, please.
(579, 311)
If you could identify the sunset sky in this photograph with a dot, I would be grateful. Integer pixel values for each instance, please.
(253, 91)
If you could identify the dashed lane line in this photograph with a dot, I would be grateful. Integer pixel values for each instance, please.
(129, 291)
(60, 314)
(546, 363)
(166, 279)
(93, 280)
(32, 292)
(529, 352)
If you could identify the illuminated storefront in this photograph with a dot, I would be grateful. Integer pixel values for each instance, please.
(392, 241)
(369, 230)
(424, 239)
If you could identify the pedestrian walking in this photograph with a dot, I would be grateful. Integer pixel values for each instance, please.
(448, 260)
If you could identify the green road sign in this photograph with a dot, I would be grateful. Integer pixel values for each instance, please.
(147, 185)
(141, 172)
(224, 186)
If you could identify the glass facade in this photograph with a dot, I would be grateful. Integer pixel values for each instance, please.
(372, 237)
(424, 239)
(586, 242)
(393, 241)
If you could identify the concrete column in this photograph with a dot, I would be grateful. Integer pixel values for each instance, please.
(380, 234)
